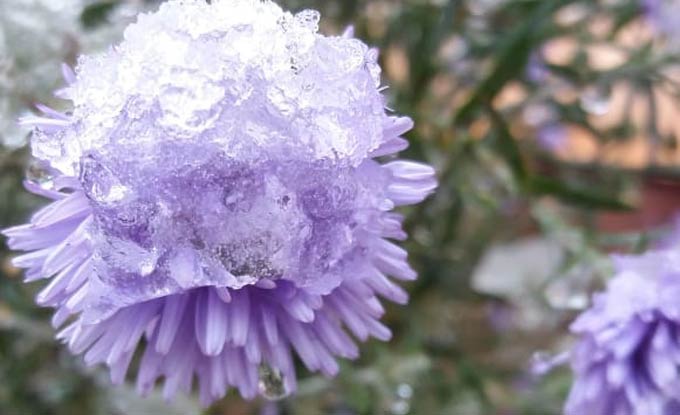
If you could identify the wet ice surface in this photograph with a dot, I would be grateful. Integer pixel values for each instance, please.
(223, 223)
(231, 148)
(245, 78)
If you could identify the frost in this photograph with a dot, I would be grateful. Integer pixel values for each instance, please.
(212, 69)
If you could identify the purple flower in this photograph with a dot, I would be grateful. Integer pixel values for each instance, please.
(217, 204)
(670, 238)
(552, 136)
(537, 71)
(627, 361)
(663, 15)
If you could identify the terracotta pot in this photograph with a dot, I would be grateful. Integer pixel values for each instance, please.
(659, 204)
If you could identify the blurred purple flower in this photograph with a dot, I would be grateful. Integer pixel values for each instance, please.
(671, 237)
(627, 360)
(501, 316)
(552, 136)
(663, 15)
(216, 202)
(536, 70)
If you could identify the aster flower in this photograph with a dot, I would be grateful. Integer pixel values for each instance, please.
(627, 361)
(216, 202)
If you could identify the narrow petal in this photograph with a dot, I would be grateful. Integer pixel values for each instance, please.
(210, 322)
(239, 317)
(173, 311)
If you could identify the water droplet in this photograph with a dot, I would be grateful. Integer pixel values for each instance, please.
(99, 182)
(271, 383)
(596, 100)
(400, 407)
(404, 391)
(40, 173)
(566, 293)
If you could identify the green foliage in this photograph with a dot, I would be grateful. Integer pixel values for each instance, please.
(97, 13)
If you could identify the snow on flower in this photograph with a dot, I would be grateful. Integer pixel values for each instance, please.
(627, 359)
(217, 202)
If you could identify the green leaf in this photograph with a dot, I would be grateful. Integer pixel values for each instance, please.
(512, 58)
(575, 195)
(623, 15)
(97, 13)
(508, 147)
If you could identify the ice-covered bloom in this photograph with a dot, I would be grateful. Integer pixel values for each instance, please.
(627, 360)
(217, 202)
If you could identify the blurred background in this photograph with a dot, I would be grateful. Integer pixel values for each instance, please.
(552, 125)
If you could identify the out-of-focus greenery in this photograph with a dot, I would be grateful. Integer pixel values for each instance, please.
(534, 112)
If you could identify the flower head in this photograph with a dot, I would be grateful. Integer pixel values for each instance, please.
(217, 202)
(627, 361)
